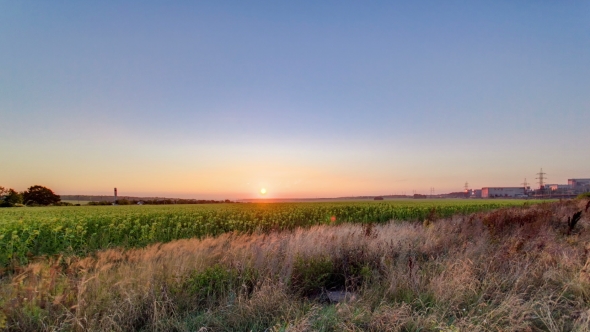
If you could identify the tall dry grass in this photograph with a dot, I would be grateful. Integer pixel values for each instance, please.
(518, 269)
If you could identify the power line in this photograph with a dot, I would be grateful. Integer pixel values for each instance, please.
(541, 177)
(525, 185)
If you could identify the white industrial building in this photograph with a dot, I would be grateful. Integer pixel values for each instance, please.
(490, 192)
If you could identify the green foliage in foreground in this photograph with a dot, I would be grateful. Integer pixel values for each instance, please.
(30, 232)
(503, 270)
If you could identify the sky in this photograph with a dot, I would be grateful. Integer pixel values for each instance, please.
(218, 99)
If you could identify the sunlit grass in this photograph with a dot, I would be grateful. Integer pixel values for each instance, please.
(26, 233)
(514, 269)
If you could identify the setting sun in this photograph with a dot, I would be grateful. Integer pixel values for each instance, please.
(263, 191)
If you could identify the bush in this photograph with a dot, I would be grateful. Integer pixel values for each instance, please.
(100, 203)
(311, 275)
(63, 204)
(583, 196)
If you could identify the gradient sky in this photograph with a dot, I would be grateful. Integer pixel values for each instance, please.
(308, 99)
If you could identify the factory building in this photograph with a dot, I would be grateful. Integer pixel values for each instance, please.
(555, 187)
(490, 192)
(579, 185)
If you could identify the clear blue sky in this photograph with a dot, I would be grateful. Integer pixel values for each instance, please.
(218, 99)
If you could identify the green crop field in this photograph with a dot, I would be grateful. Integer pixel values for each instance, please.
(26, 233)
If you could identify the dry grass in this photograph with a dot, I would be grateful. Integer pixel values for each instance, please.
(517, 269)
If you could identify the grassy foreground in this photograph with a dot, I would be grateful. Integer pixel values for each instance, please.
(514, 269)
(26, 233)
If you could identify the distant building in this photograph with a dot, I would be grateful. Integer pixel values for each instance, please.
(579, 185)
(555, 187)
(490, 192)
(476, 193)
(378, 198)
(457, 194)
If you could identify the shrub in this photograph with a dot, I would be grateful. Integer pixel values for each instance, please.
(64, 204)
(356, 265)
(100, 203)
(313, 274)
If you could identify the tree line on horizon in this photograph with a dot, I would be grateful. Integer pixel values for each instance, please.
(42, 196)
(165, 201)
(34, 196)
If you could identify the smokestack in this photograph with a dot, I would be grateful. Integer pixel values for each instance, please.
(115, 202)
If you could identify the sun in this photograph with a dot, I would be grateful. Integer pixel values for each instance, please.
(263, 191)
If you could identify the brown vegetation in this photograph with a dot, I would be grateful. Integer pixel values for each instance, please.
(517, 269)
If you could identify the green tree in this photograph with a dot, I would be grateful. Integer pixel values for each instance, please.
(9, 197)
(3, 192)
(40, 195)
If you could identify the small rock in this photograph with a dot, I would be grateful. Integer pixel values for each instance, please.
(340, 296)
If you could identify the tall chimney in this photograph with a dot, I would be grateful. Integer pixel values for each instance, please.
(115, 202)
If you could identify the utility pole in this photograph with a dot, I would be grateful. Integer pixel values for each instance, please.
(541, 177)
(431, 192)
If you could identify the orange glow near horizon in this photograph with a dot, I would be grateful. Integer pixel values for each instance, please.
(238, 173)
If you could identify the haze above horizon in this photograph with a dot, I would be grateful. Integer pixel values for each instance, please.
(217, 100)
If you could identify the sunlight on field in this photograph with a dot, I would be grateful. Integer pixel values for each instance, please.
(29, 232)
(503, 270)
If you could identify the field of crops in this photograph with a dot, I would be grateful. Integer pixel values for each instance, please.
(29, 232)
